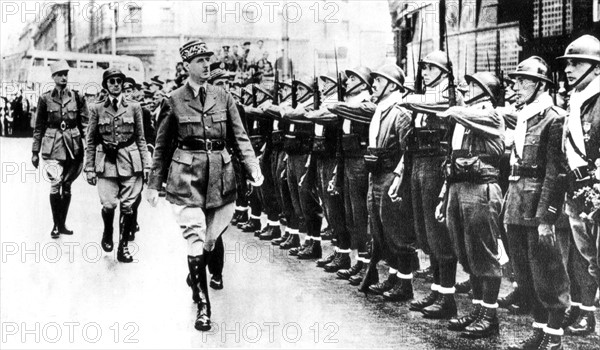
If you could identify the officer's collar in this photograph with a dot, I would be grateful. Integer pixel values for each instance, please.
(196, 87)
(120, 100)
(56, 93)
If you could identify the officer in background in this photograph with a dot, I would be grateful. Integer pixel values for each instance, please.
(59, 130)
(117, 159)
(200, 119)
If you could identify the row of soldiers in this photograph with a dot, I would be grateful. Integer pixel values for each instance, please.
(465, 175)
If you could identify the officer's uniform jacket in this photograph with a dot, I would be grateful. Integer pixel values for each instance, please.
(200, 178)
(123, 129)
(60, 125)
(590, 120)
(532, 200)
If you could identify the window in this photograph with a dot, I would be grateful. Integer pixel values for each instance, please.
(51, 61)
(134, 67)
(135, 18)
(38, 62)
(102, 65)
(72, 63)
(596, 10)
(86, 64)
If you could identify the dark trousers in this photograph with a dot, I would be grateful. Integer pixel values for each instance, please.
(304, 198)
(473, 222)
(268, 190)
(241, 186)
(583, 285)
(432, 236)
(539, 271)
(391, 224)
(333, 205)
(356, 188)
(284, 198)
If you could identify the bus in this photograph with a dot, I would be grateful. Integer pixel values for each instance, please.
(29, 71)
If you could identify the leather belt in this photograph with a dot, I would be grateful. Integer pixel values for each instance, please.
(202, 145)
(63, 125)
(581, 173)
(526, 171)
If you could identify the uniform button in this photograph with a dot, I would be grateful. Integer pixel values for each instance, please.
(116, 118)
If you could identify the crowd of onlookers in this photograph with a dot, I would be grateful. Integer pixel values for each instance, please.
(15, 115)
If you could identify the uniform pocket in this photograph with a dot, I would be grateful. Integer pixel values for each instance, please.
(136, 159)
(219, 120)
(532, 191)
(180, 174)
(48, 142)
(104, 124)
(530, 149)
(227, 175)
(77, 143)
(128, 124)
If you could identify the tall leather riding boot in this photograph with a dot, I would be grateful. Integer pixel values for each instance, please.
(215, 261)
(65, 204)
(197, 268)
(55, 206)
(108, 216)
(136, 226)
(125, 227)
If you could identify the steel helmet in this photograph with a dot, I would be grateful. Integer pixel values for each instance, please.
(112, 72)
(363, 73)
(533, 67)
(437, 58)
(305, 81)
(585, 48)
(392, 73)
(488, 82)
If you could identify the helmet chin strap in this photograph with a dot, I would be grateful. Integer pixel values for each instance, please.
(570, 87)
(436, 80)
(474, 99)
(304, 97)
(533, 96)
(383, 91)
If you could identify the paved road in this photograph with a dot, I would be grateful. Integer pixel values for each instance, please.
(67, 293)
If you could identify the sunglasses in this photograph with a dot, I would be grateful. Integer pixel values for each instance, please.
(115, 81)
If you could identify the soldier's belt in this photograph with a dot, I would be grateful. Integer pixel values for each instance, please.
(353, 143)
(277, 138)
(111, 149)
(202, 145)
(526, 171)
(379, 160)
(63, 125)
(581, 174)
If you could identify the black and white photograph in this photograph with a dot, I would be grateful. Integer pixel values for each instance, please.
(300, 174)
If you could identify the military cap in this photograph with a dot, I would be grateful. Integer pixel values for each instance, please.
(59, 66)
(130, 82)
(156, 80)
(194, 48)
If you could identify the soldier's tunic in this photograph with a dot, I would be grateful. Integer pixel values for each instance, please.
(200, 180)
(533, 198)
(391, 223)
(59, 130)
(474, 196)
(582, 148)
(357, 113)
(117, 151)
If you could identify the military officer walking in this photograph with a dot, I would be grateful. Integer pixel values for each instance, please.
(116, 159)
(59, 130)
(200, 120)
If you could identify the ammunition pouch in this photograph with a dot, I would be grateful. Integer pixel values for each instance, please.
(380, 160)
(297, 144)
(463, 167)
(353, 146)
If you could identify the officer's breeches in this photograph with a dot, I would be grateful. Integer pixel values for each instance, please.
(62, 173)
(201, 227)
(113, 190)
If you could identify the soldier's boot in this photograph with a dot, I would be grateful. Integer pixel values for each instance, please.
(402, 291)
(443, 308)
(486, 325)
(243, 218)
(64, 210)
(296, 250)
(55, 206)
(239, 216)
(108, 216)
(125, 227)
(532, 342)
(136, 228)
(313, 251)
(460, 323)
(342, 261)
(428, 300)
(278, 241)
(327, 234)
(274, 232)
(552, 339)
(345, 274)
(370, 277)
(585, 323)
(382, 287)
(250, 226)
(326, 260)
(424, 273)
(292, 242)
(260, 231)
(571, 315)
(198, 278)
(463, 287)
